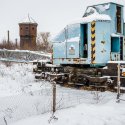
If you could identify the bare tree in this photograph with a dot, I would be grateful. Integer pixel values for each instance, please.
(43, 41)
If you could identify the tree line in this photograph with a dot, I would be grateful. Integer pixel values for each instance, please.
(43, 43)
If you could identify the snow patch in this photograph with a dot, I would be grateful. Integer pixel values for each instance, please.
(115, 35)
(93, 17)
(123, 69)
(109, 113)
(28, 20)
(96, 2)
(123, 62)
(75, 39)
(103, 8)
(91, 10)
(59, 44)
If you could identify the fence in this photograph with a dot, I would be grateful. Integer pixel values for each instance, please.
(31, 103)
(24, 96)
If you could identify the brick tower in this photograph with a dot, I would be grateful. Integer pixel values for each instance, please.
(28, 34)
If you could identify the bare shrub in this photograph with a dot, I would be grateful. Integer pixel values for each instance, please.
(7, 63)
(4, 44)
(43, 42)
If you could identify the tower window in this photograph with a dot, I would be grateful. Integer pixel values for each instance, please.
(32, 28)
(27, 28)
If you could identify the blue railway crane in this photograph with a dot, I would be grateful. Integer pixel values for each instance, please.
(84, 47)
(93, 40)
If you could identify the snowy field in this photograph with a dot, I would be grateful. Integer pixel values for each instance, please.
(25, 101)
(109, 113)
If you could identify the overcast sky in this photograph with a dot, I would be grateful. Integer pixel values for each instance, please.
(51, 15)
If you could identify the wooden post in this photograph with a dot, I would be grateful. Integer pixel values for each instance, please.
(54, 101)
(118, 84)
(54, 97)
(5, 120)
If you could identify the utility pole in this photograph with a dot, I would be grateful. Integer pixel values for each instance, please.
(118, 84)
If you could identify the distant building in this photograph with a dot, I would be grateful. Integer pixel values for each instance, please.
(28, 34)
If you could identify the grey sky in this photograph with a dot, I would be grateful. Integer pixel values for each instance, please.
(51, 15)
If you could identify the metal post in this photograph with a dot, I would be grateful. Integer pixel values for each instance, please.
(118, 84)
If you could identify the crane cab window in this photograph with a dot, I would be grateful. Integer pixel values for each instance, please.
(84, 39)
(118, 18)
(115, 44)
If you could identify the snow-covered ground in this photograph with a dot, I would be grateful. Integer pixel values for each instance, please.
(22, 97)
(110, 113)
